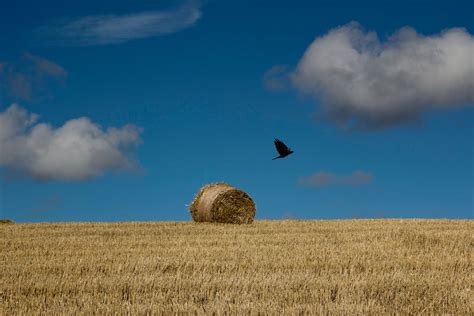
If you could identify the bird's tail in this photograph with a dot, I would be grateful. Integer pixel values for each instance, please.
(276, 158)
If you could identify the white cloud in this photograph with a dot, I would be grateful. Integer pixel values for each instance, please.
(361, 80)
(112, 29)
(323, 179)
(78, 150)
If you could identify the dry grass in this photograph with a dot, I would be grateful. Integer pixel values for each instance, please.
(291, 267)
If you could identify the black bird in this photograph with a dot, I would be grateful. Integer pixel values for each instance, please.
(282, 149)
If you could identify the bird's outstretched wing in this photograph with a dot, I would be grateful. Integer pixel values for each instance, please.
(281, 147)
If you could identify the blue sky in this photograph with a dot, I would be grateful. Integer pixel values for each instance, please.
(206, 87)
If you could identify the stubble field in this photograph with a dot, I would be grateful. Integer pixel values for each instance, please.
(289, 267)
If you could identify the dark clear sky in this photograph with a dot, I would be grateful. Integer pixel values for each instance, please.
(208, 85)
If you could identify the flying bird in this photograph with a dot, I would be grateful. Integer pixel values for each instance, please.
(282, 149)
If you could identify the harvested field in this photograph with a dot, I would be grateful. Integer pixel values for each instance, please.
(338, 267)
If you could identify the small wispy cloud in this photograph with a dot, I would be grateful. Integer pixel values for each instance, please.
(114, 29)
(18, 85)
(48, 204)
(324, 179)
(277, 78)
(29, 77)
(46, 66)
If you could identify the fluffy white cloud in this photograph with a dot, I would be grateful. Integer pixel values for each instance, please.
(323, 178)
(77, 150)
(111, 29)
(361, 80)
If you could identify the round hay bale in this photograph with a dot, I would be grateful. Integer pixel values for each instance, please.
(222, 203)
